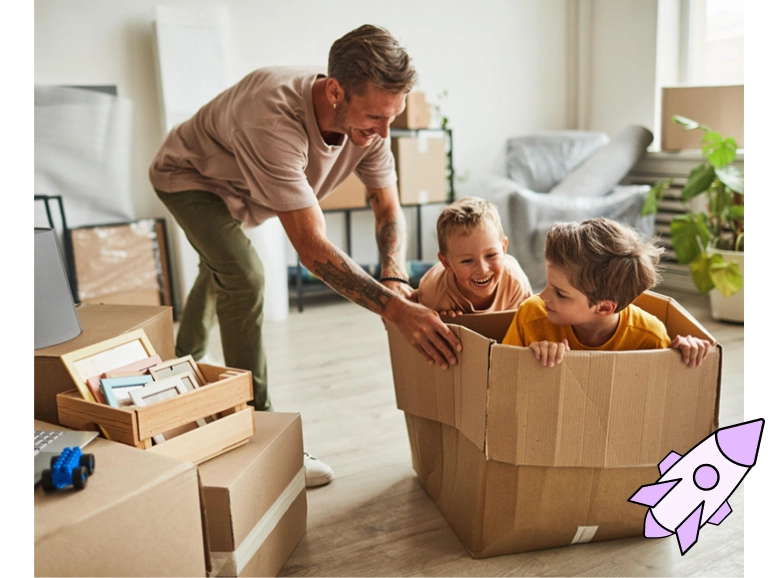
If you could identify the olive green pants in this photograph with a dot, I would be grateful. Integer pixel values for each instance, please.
(230, 285)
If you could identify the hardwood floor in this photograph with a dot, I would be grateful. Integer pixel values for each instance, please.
(331, 364)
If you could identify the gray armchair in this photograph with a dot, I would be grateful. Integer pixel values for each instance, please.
(567, 176)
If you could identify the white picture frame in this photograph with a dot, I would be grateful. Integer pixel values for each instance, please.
(158, 391)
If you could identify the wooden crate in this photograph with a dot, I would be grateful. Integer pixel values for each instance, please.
(226, 398)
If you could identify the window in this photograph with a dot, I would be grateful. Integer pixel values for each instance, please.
(714, 35)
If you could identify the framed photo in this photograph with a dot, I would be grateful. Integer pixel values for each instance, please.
(94, 360)
(176, 367)
(157, 391)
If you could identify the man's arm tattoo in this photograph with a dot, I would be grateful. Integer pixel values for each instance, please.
(354, 285)
(390, 245)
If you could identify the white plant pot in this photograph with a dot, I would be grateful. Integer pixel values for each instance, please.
(728, 308)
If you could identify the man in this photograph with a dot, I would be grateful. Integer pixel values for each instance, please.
(274, 144)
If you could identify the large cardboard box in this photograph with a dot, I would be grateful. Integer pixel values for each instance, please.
(254, 499)
(139, 515)
(99, 323)
(421, 168)
(718, 107)
(351, 194)
(520, 457)
(417, 113)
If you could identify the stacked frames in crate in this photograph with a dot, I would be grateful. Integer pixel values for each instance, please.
(209, 415)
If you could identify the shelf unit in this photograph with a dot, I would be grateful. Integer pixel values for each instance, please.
(299, 291)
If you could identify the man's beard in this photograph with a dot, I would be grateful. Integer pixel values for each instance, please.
(339, 118)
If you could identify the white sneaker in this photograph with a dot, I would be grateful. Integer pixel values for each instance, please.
(318, 473)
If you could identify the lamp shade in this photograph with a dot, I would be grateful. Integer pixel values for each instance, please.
(56, 320)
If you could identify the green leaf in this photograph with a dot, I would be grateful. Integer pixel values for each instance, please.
(726, 276)
(654, 195)
(731, 177)
(685, 122)
(699, 270)
(686, 231)
(719, 151)
(699, 180)
(736, 212)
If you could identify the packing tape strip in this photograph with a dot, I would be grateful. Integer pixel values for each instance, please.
(232, 563)
(584, 534)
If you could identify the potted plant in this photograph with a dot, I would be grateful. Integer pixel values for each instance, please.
(710, 235)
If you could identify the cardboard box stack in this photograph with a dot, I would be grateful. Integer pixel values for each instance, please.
(421, 168)
(520, 457)
(140, 515)
(254, 499)
(417, 113)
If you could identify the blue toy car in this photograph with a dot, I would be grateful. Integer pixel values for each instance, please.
(71, 467)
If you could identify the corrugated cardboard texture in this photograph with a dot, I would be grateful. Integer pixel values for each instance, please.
(417, 113)
(99, 323)
(138, 516)
(239, 486)
(563, 448)
(718, 107)
(350, 194)
(421, 169)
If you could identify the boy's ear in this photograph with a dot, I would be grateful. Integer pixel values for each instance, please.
(504, 245)
(606, 307)
(445, 262)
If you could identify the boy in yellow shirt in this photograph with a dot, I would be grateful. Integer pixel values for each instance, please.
(475, 273)
(595, 269)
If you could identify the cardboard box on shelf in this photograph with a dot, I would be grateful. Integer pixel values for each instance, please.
(98, 323)
(520, 457)
(417, 113)
(140, 515)
(254, 499)
(225, 395)
(351, 194)
(718, 107)
(421, 168)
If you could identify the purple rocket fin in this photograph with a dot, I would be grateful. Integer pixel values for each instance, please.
(719, 516)
(651, 494)
(740, 443)
(687, 531)
(668, 461)
(653, 529)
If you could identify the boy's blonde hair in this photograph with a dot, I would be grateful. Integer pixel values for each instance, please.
(604, 260)
(465, 215)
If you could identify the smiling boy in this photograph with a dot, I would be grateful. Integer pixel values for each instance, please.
(595, 269)
(475, 273)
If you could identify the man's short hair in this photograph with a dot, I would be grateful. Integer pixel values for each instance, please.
(604, 259)
(465, 215)
(370, 55)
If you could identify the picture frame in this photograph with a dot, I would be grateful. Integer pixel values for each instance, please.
(157, 391)
(98, 358)
(117, 390)
(176, 367)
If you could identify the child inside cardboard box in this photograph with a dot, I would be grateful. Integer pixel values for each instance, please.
(595, 269)
(475, 274)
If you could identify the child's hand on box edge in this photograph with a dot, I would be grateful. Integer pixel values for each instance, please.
(451, 313)
(549, 353)
(693, 350)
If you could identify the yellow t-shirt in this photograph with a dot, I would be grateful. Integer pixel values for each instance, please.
(636, 329)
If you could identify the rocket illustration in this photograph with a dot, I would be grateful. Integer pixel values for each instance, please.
(693, 489)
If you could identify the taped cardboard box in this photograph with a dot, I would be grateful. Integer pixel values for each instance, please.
(417, 113)
(254, 499)
(98, 323)
(421, 168)
(140, 515)
(519, 457)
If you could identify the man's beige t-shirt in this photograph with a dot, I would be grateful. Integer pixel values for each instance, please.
(438, 290)
(258, 146)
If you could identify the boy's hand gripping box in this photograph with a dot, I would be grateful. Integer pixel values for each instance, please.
(520, 457)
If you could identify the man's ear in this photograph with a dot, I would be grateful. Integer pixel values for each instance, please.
(334, 91)
(606, 307)
(445, 262)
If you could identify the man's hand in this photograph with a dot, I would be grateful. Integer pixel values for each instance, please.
(452, 313)
(693, 350)
(425, 331)
(549, 353)
(402, 289)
